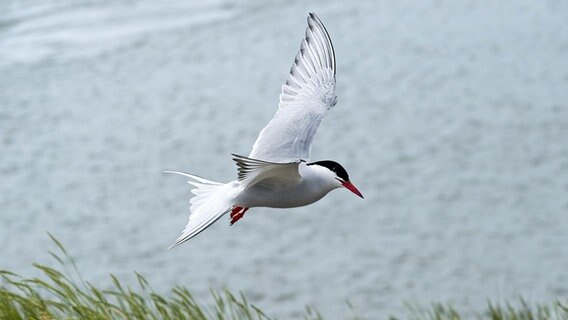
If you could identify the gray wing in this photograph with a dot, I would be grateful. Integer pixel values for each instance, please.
(254, 171)
(306, 97)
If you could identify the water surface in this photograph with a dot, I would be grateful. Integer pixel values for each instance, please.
(452, 120)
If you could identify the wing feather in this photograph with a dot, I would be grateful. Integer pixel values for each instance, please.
(254, 171)
(307, 95)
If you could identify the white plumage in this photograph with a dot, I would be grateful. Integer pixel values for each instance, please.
(276, 173)
(306, 97)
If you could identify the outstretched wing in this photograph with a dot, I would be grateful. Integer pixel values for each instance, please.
(254, 171)
(306, 97)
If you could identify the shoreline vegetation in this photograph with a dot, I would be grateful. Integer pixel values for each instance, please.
(65, 295)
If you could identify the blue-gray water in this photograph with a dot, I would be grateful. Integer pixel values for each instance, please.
(452, 120)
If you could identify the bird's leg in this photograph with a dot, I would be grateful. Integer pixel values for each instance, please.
(237, 213)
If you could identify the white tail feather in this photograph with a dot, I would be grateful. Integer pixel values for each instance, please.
(211, 201)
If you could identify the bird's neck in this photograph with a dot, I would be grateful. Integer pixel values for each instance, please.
(318, 177)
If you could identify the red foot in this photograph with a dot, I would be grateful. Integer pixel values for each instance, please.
(237, 213)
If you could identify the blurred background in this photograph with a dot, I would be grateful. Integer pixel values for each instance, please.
(452, 120)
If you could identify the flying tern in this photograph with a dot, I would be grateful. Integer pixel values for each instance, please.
(277, 172)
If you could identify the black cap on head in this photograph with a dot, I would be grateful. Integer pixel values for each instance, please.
(334, 167)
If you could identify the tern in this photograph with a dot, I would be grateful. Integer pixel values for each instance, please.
(277, 172)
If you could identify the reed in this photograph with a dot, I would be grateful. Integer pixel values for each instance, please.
(57, 294)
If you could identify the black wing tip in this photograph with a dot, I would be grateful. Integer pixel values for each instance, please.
(236, 156)
(313, 18)
(239, 158)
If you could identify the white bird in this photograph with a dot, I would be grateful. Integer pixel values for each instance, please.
(277, 173)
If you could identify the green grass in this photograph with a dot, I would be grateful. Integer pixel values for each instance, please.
(64, 294)
(508, 311)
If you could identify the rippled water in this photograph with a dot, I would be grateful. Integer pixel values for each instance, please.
(452, 120)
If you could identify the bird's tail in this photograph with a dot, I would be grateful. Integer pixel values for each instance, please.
(211, 201)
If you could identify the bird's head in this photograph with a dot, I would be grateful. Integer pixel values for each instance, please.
(337, 174)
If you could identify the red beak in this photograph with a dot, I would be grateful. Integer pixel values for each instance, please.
(351, 188)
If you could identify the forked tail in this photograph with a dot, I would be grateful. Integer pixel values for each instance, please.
(211, 201)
